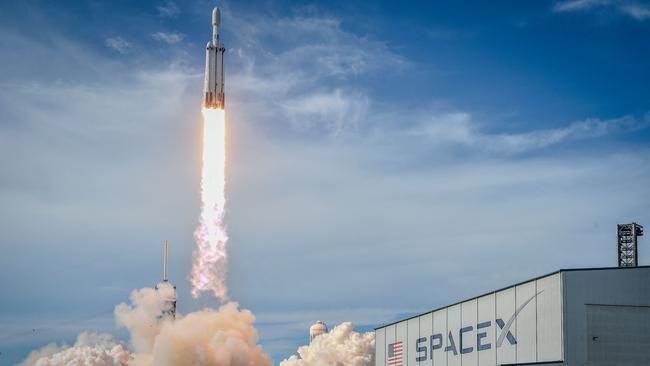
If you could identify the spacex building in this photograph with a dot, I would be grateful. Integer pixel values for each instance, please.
(594, 316)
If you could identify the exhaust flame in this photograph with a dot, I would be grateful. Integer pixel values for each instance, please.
(210, 257)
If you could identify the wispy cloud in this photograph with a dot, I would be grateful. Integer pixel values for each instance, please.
(579, 5)
(169, 9)
(168, 37)
(119, 44)
(636, 10)
(336, 111)
(307, 79)
(459, 128)
(632, 9)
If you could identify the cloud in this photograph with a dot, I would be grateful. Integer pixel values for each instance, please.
(336, 111)
(636, 10)
(632, 9)
(169, 9)
(458, 127)
(579, 5)
(118, 44)
(169, 38)
(342, 346)
(307, 79)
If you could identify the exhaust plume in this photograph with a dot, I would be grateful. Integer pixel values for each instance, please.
(210, 257)
(342, 346)
(222, 337)
(90, 349)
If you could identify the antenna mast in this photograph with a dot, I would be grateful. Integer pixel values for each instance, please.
(165, 277)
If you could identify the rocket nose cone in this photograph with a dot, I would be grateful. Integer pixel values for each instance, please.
(216, 16)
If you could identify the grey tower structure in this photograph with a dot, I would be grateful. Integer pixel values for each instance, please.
(168, 290)
(627, 244)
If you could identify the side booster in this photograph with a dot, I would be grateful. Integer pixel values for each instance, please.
(214, 97)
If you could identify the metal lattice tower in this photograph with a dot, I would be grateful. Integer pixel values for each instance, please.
(627, 248)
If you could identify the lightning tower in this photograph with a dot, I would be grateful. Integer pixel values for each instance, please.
(627, 244)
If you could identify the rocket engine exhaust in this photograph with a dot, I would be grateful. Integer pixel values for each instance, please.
(211, 257)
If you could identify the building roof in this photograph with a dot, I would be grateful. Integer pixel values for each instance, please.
(507, 287)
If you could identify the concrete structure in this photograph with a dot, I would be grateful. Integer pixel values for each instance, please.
(317, 329)
(595, 316)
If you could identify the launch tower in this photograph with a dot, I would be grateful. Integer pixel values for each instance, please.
(167, 289)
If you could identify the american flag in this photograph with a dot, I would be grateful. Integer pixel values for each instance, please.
(395, 354)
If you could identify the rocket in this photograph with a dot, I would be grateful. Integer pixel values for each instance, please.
(214, 97)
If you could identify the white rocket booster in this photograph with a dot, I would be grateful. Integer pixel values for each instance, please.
(214, 96)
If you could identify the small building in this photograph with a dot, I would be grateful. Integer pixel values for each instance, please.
(590, 316)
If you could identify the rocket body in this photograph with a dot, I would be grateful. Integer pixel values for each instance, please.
(213, 87)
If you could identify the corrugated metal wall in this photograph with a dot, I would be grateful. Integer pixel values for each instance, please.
(526, 319)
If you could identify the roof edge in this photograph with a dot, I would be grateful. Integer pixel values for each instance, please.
(513, 285)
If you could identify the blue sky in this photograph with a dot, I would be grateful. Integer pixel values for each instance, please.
(382, 160)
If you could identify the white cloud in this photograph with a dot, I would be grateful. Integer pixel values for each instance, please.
(336, 111)
(632, 9)
(308, 80)
(578, 5)
(458, 127)
(168, 37)
(169, 9)
(118, 44)
(636, 10)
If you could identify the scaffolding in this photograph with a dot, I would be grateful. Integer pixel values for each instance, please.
(627, 245)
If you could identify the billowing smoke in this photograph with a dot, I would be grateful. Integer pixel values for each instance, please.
(210, 257)
(89, 349)
(222, 337)
(342, 346)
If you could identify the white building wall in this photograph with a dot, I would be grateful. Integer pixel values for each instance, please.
(467, 342)
(526, 318)
(486, 313)
(426, 330)
(413, 328)
(440, 328)
(451, 344)
(505, 307)
(549, 344)
(380, 346)
(526, 322)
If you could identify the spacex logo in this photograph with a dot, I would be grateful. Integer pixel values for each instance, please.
(457, 342)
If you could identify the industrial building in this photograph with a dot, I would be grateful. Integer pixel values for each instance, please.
(594, 316)
(589, 316)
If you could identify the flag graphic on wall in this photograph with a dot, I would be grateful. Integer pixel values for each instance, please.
(395, 354)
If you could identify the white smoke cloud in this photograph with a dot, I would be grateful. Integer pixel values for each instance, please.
(90, 349)
(342, 346)
(224, 337)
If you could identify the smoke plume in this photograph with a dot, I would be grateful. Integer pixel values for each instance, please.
(90, 349)
(221, 337)
(342, 346)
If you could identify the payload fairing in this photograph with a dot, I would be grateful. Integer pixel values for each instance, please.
(214, 97)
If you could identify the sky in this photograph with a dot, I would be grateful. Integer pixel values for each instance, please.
(383, 160)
